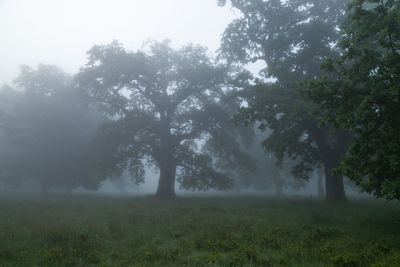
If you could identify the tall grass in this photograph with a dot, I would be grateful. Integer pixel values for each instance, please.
(101, 231)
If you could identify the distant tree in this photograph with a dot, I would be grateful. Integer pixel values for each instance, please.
(47, 132)
(9, 99)
(292, 38)
(163, 105)
(320, 183)
(269, 175)
(266, 174)
(361, 94)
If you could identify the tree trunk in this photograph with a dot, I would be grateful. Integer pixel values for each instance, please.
(166, 183)
(278, 187)
(320, 176)
(334, 185)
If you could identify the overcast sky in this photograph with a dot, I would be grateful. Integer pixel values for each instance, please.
(61, 31)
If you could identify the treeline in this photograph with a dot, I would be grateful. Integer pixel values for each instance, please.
(47, 132)
(327, 101)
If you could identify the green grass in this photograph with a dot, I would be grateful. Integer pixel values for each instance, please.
(95, 231)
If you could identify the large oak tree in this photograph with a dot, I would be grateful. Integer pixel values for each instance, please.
(292, 38)
(163, 105)
(362, 94)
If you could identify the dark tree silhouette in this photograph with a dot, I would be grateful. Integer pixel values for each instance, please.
(292, 38)
(362, 92)
(47, 131)
(162, 105)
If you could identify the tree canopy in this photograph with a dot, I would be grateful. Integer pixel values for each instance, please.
(326, 99)
(361, 94)
(163, 105)
(47, 132)
(292, 38)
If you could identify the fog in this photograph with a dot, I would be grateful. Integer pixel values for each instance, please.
(60, 32)
(199, 133)
(186, 96)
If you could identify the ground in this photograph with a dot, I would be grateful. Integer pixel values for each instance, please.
(112, 231)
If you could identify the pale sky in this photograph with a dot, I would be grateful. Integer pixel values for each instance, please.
(60, 32)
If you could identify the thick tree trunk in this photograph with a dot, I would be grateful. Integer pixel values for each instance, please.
(166, 183)
(334, 185)
(330, 155)
(166, 162)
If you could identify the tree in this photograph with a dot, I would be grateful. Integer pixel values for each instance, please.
(47, 131)
(361, 94)
(9, 98)
(265, 174)
(163, 105)
(292, 38)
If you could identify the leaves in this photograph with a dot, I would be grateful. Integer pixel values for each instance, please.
(162, 104)
(362, 95)
(293, 38)
(47, 132)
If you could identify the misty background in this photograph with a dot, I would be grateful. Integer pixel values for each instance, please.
(199, 132)
(61, 32)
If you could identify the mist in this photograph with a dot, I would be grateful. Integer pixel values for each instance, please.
(61, 32)
(199, 133)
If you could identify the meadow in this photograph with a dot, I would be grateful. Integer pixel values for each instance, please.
(127, 231)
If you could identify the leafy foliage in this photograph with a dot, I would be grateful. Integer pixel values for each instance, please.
(47, 132)
(361, 94)
(162, 105)
(292, 38)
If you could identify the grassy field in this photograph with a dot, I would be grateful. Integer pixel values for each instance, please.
(105, 231)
